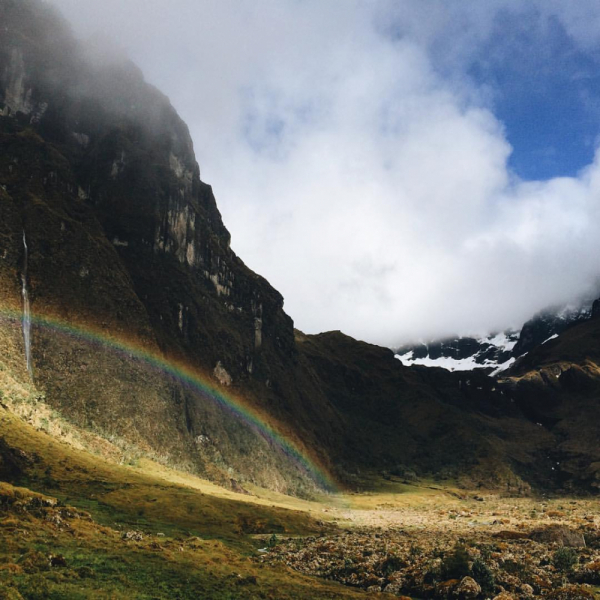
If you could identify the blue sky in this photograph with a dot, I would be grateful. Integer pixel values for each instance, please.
(545, 90)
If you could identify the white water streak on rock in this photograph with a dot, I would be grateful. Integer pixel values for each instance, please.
(26, 309)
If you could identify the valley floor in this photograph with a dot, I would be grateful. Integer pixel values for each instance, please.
(438, 542)
(73, 525)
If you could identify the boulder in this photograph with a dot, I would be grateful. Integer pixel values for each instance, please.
(560, 535)
(467, 589)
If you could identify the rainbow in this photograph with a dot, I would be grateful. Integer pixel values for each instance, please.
(193, 380)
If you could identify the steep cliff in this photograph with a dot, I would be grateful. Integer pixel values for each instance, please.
(99, 172)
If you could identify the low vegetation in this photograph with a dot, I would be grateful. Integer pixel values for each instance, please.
(92, 529)
(85, 517)
(434, 542)
(76, 525)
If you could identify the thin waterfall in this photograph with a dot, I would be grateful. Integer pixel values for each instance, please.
(26, 309)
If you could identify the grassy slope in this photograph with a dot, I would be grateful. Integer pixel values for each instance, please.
(204, 551)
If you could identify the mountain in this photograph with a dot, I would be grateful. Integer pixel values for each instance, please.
(557, 385)
(125, 242)
(143, 327)
(496, 352)
(551, 323)
(492, 353)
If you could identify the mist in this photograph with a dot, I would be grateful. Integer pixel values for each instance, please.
(358, 163)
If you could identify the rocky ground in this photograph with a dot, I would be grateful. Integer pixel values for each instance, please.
(465, 548)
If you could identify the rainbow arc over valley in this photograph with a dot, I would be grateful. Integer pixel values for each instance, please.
(191, 379)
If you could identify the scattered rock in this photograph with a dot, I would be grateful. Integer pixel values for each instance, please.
(467, 589)
(559, 534)
(56, 520)
(222, 375)
(414, 562)
(393, 588)
(135, 536)
(573, 592)
(445, 589)
(526, 590)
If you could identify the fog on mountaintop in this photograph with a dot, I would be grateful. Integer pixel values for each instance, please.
(359, 164)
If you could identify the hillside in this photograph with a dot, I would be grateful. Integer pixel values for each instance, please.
(93, 528)
(97, 528)
(126, 243)
(558, 386)
(166, 431)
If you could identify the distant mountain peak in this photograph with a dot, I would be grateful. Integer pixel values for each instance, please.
(497, 352)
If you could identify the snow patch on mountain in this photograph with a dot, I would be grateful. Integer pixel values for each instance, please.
(452, 364)
(504, 341)
(492, 352)
(497, 352)
(445, 362)
(503, 366)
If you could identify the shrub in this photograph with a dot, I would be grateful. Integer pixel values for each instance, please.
(35, 588)
(456, 564)
(483, 575)
(565, 559)
(391, 564)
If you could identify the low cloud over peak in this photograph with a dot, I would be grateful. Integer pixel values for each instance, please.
(361, 161)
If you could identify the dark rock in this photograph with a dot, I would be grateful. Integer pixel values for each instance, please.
(596, 309)
(560, 535)
(57, 560)
(13, 462)
(548, 323)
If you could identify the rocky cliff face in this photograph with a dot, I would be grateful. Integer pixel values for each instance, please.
(99, 172)
(126, 241)
(550, 324)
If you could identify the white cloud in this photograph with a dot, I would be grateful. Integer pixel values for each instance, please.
(366, 183)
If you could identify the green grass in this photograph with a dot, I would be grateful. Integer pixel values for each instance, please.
(194, 544)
